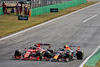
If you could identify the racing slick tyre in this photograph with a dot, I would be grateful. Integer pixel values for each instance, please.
(79, 55)
(51, 50)
(69, 57)
(38, 53)
(17, 53)
(40, 58)
(47, 54)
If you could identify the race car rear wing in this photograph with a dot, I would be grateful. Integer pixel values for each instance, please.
(74, 46)
(69, 46)
(78, 47)
(40, 44)
(44, 44)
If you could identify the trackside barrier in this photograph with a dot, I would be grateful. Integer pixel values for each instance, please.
(60, 6)
(94, 59)
(1, 10)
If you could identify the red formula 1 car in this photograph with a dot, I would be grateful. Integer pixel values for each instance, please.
(33, 53)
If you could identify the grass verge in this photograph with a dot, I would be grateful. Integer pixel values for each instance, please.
(10, 24)
(98, 65)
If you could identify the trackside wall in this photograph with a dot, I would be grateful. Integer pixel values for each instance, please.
(46, 9)
(1, 10)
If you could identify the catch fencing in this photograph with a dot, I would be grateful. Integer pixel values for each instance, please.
(34, 3)
(46, 9)
(41, 3)
(8, 2)
(43, 6)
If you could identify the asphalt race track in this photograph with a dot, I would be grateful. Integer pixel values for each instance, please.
(81, 28)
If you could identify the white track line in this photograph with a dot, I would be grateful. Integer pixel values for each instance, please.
(47, 22)
(91, 17)
(89, 57)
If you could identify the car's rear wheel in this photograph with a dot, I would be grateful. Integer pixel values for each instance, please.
(47, 54)
(39, 54)
(79, 55)
(68, 57)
